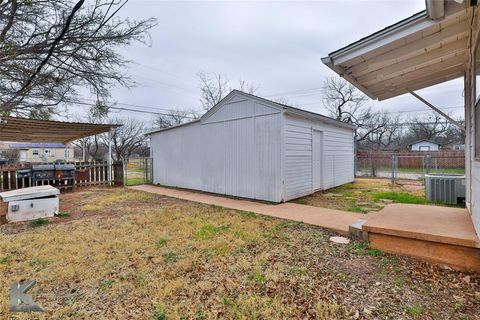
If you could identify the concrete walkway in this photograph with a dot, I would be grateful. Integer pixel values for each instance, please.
(335, 220)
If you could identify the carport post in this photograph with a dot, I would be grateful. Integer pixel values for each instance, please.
(83, 150)
(110, 157)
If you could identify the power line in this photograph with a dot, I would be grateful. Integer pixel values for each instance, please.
(132, 110)
(292, 92)
(131, 105)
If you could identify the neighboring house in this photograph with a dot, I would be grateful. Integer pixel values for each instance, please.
(424, 145)
(431, 47)
(41, 152)
(250, 147)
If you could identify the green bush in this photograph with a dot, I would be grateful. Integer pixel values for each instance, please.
(39, 222)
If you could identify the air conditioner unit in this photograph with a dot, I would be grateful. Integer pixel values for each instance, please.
(445, 188)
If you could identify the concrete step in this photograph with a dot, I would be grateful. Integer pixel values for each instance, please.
(356, 232)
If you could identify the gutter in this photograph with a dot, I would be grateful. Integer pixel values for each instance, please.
(435, 9)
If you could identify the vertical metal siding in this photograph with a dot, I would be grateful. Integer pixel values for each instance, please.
(337, 156)
(232, 153)
(298, 159)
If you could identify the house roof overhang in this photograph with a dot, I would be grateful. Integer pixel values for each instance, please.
(31, 130)
(417, 52)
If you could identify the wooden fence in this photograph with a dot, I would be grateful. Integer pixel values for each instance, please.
(414, 159)
(86, 174)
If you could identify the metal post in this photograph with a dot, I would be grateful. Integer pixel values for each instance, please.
(125, 172)
(83, 150)
(393, 168)
(110, 157)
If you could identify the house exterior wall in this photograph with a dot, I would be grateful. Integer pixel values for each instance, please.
(472, 166)
(337, 156)
(424, 146)
(232, 152)
(46, 154)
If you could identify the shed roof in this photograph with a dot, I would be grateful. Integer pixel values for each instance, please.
(31, 130)
(425, 140)
(292, 110)
(411, 54)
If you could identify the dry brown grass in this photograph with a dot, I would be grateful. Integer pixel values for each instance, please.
(124, 254)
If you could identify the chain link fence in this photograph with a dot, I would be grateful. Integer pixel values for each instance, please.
(410, 166)
(138, 171)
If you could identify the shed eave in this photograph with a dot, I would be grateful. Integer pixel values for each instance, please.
(172, 127)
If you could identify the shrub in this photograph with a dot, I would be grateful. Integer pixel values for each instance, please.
(39, 222)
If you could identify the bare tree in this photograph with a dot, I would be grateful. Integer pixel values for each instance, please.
(434, 127)
(49, 48)
(346, 103)
(175, 117)
(429, 127)
(214, 87)
(127, 138)
(92, 147)
(387, 136)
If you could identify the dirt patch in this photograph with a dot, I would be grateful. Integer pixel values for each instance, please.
(360, 196)
(132, 255)
(88, 203)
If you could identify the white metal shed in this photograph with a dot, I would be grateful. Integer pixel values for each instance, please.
(250, 147)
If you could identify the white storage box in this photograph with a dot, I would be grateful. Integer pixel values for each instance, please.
(31, 203)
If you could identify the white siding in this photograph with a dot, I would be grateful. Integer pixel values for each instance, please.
(337, 156)
(424, 146)
(298, 159)
(248, 148)
(472, 166)
(239, 157)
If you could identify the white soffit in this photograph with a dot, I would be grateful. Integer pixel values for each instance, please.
(412, 54)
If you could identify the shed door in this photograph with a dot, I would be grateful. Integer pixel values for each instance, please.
(317, 159)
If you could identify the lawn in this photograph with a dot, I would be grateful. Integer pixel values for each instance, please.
(124, 254)
(366, 195)
(135, 172)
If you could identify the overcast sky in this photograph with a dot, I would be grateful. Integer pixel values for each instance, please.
(275, 45)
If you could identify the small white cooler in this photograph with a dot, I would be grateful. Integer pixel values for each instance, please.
(31, 203)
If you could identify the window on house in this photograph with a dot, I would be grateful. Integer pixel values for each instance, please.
(35, 152)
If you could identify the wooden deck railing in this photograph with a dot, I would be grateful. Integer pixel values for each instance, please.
(86, 174)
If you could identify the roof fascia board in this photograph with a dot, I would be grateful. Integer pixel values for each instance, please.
(329, 63)
(398, 31)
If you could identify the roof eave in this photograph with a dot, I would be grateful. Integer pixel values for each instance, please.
(328, 61)
(172, 127)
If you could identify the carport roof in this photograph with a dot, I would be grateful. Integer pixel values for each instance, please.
(31, 130)
(412, 54)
